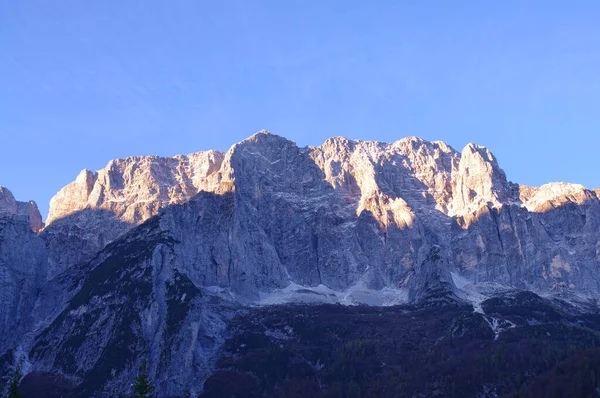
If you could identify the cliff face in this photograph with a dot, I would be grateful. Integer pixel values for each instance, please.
(135, 188)
(9, 207)
(23, 265)
(343, 212)
(97, 207)
(362, 213)
(164, 250)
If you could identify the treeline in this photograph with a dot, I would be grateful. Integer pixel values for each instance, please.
(338, 351)
(143, 387)
(332, 351)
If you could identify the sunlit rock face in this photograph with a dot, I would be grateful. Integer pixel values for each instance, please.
(165, 251)
(344, 213)
(391, 180)
(98, 207)
(549, 251)
(9, 207)
(478, 181)
(135, 188)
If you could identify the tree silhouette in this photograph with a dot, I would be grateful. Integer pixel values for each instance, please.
(13, 385)
(143, 386)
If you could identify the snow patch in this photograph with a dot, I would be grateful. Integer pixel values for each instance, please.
(470, 292)
(358, 294)
(498, 325)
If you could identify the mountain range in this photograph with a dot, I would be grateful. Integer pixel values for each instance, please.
(203, 263)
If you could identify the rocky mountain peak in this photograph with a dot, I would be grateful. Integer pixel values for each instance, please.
(261, 133)
(155, 255)
(477, 159)
(263, 140)
(478, 181)
(554, 195)
(97, 207)
(405, 176)
(9, 207)
(406, 184)
(135, 188)
(73, 197)
(22, 262)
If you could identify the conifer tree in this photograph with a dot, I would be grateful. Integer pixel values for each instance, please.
(143, 385)
(13, 385)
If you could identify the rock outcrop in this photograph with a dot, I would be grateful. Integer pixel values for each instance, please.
(135, 188)
(23, 265)
(98, 207)
(431, 282)
(10, 207)
(134, 300)
(147, 252)
(389, 201)
(478, 181)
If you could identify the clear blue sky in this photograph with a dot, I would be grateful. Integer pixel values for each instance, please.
(82, 82)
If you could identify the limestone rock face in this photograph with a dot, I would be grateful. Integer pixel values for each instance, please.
(76, 238)
(340, 214)
(554, 250)
(23, 264)
(9, 207)
(478, 181)
(390, 180)
(135, 188)
(164, 250)
(97, 207)
(22, 273)
(343, 214)
(431, 282)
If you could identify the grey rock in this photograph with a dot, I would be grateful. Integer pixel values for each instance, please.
(135, 188)
(22, 274)
(157, 254)
(134, 303)
(98, 207)
(9, 206)
(76, 238)
(431, 282)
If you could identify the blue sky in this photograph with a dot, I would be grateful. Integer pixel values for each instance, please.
(82, 82)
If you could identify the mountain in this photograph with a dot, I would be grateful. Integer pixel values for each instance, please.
(320, 215)
(23, 263)
(164, 257)
(135, 188)
(10, 207)
(97, 207)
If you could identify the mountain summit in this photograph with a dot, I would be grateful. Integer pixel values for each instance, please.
(417, 193)
(157, 255)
